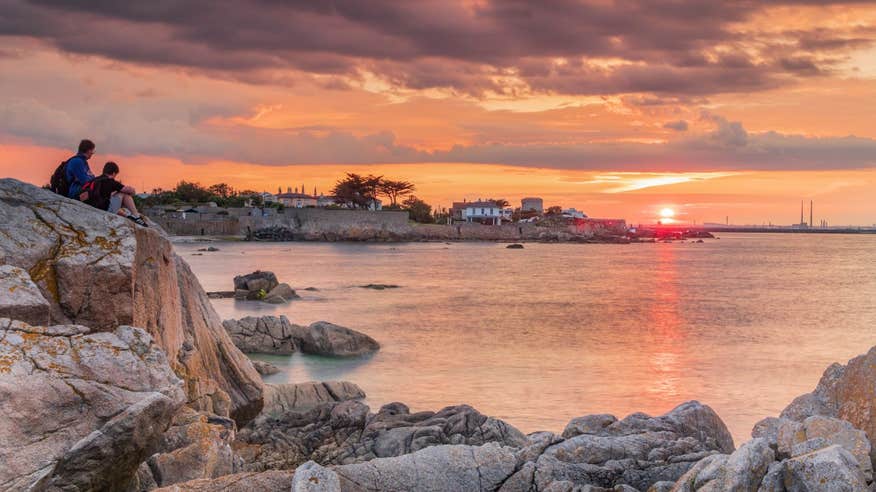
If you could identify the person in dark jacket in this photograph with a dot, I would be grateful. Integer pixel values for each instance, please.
(77, 170)
(107, 193)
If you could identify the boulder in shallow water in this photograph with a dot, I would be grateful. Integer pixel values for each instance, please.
(256, 281)
(283, 290)
(80, 410)
(264, 334)
(324, 338)
(265, 368)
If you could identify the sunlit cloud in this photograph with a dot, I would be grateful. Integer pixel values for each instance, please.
(625, 182)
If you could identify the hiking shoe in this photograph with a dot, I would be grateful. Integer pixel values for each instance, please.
(138, 220)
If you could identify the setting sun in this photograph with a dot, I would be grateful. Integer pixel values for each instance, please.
(667, 213)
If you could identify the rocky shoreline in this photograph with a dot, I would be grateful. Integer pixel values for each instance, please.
(117, 374)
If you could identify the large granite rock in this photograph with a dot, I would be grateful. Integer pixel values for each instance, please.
(830, 469)
(845, 392)
(264, 334)
(256, 281)
(197, 445)
(312, 477)
(80, 410)
(276, 335)
(21, 299)
(324, 338)
(637, 451)
(794, 438)
(263, 286)
(741, 471)
(100, 270)
(434, 469)
(345, 432)
(281, 398)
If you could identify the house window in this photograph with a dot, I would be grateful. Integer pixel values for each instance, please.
(482, 211)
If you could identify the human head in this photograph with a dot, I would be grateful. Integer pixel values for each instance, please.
(86, 148)
(111, 169)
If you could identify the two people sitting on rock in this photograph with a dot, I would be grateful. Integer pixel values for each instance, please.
(105, 191)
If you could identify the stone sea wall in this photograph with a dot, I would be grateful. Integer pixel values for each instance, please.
(309, 224)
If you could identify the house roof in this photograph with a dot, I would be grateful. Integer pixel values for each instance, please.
(296, 195)
(480, 205)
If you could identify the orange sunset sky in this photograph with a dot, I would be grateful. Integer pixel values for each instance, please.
(617, 108)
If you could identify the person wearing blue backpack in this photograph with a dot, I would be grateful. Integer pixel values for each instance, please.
(77, 171)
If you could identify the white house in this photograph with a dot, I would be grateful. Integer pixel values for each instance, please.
(483, 212)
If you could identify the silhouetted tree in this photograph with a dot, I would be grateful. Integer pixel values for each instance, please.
(356, 190)
(419, 210)
(394, 190)
(221, 190)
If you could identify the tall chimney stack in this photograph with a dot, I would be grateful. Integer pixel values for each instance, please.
(811, 222)
(801, 212)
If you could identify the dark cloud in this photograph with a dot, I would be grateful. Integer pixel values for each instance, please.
(679, 126)
(183, 132)
(666, 47)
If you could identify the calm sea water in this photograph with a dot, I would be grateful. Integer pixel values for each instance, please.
(541, 335)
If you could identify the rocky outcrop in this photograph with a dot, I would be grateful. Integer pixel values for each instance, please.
(279, 480)
(637, 451)
(197, 445)
(276, 335)
(435, 469)
(345, 432)
(627, 455)
(262, 286)
(281, 398)
(101, 271)
(845, 392)
(264, 334)
(743, 470)
(324, 338)
(791, 438)
(81, 410)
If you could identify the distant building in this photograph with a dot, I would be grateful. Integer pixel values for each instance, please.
(574, 214)
(268, 197)
(296, 200)
(534, 204)
(323, 201)
(483, 212)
